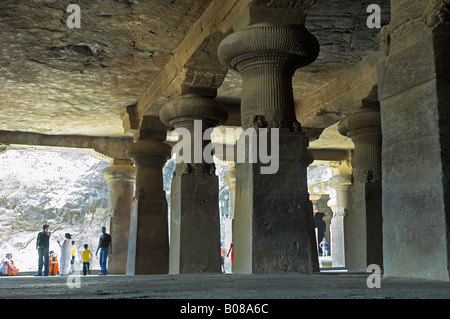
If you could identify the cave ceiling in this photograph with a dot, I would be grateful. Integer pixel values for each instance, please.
(58, 80)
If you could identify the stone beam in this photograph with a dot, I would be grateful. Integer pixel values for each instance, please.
(355, 88)
(113, 147)
(274, 12)
(329, 155)
(203, 73)
(200, 44)
(219, 16)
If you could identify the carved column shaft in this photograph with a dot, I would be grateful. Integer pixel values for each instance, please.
(121, 179)
(340, 183)
(195, 224)
(149, 239)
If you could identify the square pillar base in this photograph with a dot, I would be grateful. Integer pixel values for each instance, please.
(274, 231)
(195, 222)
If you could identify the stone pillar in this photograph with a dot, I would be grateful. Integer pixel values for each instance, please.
(121, 180)
(340, 183)
(364, 237)
(195, 219)
(413, 82)
(274, 230)
(148, 251)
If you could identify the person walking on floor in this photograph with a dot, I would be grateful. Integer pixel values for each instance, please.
(105, 247)
(42, 246)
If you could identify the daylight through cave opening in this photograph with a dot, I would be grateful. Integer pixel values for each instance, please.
(63, 188)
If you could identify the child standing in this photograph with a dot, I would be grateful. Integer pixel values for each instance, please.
(86, 260)
(324, 245)
(74, 252)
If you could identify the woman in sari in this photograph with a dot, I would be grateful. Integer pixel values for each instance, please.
(65, 256)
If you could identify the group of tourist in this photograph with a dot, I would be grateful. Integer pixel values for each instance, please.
(48, 261)
(53, 260)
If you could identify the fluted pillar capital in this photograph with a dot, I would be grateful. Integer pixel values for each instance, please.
(149, 153)
(340, 182)
(287, 47)
(364, 128)
(183, 110)
(267, 56)
(120, 173)
(364, 123)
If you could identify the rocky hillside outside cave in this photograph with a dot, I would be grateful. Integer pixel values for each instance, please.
(65, 190)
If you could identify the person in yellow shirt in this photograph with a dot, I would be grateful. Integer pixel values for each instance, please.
(74, 253)
(87, 255)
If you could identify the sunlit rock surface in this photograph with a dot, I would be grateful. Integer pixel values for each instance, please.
(318, 174)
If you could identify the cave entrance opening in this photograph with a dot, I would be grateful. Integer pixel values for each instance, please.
(61, 187)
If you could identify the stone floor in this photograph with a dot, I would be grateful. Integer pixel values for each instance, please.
(328, 285)
(221, 296)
